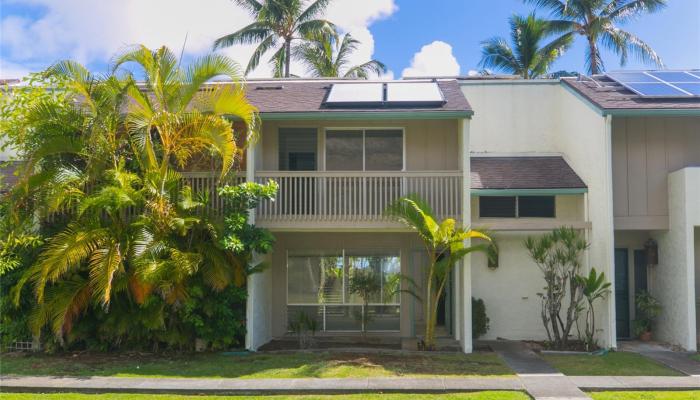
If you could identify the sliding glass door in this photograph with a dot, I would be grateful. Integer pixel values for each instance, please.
(324, 286)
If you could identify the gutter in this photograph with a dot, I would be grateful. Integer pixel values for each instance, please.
(528, 192)
(364, 115)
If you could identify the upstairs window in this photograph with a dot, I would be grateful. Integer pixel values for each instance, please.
(364, 150)
(297, 149)
(517, 207)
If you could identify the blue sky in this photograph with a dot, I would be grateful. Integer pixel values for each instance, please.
(674, 32)
(412, 37)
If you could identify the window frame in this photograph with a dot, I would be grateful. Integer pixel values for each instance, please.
(364, 131)
(517, 207)
(344, 254)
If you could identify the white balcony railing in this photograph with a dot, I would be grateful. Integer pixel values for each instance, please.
(356, 196)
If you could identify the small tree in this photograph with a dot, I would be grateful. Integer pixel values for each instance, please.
(558, 255)
(445, 245)
(366, 284)
(594, 287)
(648, 309)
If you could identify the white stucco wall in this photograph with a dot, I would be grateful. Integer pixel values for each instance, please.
(674, 277)
(259, 308)
(510, 291)
(543, 117)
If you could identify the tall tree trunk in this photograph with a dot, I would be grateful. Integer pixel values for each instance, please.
(428, 339)
(287, 56)
(593, 49)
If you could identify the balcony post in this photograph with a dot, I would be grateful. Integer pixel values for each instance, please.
(258, 328)
(464, 284)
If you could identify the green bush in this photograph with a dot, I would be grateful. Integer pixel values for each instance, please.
(480, 321)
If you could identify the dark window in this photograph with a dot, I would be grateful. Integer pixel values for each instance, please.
(497, 206)
(384, 150)
(344, 150)
(297, 149)
(536, 206)
(527, 207)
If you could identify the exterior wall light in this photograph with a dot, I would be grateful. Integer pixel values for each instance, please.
(651, 250)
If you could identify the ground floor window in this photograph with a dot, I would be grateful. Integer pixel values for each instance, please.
(321, 286)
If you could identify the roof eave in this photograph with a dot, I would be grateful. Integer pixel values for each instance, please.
(364, 115)
(630, 112)
(651, 112)
(528, 192)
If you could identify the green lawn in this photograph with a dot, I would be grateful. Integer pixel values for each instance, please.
(453, 396)
(645, 395)
(695, 357)
(287, 365)
(613, 363)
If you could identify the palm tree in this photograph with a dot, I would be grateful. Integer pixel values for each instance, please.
(278, 21)
(445, 246)
(326, 57)
(598, 21)
(527, 57)
(109, 162)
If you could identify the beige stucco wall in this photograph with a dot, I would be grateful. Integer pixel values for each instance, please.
(430, 145)
(645, 150)
(674, 277)
(543, 117)
(407, 243)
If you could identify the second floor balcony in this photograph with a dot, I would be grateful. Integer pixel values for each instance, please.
(345, 200)
(354, 199)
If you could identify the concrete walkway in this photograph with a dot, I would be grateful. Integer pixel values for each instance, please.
(258, 386)
(335, 386)
(678, 360)
(541, 380)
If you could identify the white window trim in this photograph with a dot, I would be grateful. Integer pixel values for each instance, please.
(364, 130)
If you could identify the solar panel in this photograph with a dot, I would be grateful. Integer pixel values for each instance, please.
(384, 94)
(413, 92)
(660, 83)
(355, 93)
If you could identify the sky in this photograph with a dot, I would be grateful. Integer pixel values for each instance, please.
(412, 37)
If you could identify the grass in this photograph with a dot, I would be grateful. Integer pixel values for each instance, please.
(645, 395)
(452, 396)
(613, 363)
(257, 366)
(695, 357)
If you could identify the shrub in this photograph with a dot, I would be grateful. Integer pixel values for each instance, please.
(480, 321)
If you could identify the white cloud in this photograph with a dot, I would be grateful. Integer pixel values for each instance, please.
(353, 13)
(434, 59)
(9, 70)
(90, 31)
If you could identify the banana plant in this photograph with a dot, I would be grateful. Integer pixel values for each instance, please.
(594, 287)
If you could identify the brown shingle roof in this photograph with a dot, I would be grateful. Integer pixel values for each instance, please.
(610, 95)
(551, 172)
(290, 96)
